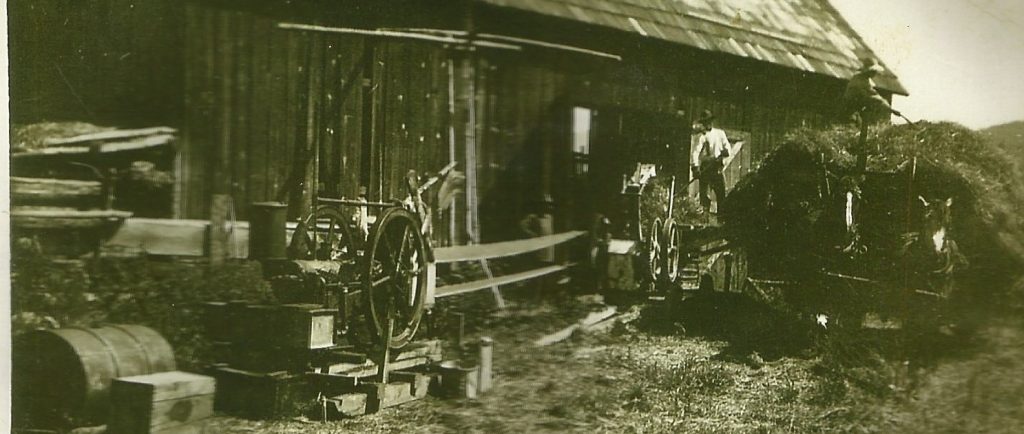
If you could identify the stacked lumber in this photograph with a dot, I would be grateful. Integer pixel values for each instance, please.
(66, 174)
(99, 141)
(48, 191)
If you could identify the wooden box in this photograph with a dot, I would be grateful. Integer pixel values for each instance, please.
(172, 401)
(306, 326)
(261, 395)
(289, 326)
(620, 273)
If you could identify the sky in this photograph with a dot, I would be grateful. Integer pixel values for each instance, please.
(960, 60)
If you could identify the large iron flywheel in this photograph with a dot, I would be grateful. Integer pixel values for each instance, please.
(395, 278)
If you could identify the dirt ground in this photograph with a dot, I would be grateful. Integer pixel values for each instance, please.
(665, 372)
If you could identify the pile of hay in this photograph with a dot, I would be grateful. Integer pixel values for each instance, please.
(789, 213)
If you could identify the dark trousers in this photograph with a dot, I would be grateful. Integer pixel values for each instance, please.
(716, 182)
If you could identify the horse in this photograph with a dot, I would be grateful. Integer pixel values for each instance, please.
(930, 255)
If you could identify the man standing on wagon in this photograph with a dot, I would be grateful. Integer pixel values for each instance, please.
(708, 160)
(861, 96)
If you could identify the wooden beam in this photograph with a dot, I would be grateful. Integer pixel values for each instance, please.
(505, 38)
(103, 148)
(50, 190)
(477, 285)
(398, 35)
(161, 237)
(502, 249)
(549, 45)
(587, 322)
(63, 218)
(104, 136)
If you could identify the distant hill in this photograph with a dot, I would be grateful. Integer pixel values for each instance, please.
(1010, 137)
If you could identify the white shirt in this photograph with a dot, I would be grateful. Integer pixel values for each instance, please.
(717, 142)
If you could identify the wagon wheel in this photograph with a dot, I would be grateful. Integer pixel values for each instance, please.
(395, 279)
(654, 251)
(670, 252)
(322, 235)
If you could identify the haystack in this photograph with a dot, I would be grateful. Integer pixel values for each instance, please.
(790, 212)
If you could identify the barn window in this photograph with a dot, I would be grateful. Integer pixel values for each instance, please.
(581, 118)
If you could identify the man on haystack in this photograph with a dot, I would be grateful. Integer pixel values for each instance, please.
(709, 159)
(861, 97)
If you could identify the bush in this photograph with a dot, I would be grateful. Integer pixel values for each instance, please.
(166, 296)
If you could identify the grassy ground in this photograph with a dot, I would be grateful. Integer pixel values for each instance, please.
(703, 365)
(666, 374)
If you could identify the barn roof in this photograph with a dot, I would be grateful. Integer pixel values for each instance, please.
(808, 35)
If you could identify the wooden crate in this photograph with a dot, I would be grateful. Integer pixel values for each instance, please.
(415, 354)
(290, 326)
(172, 401)
(261, 395)
(307, 326)
(370, 397)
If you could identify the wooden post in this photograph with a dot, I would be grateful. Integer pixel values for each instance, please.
(671, 197)
(862, 145)
(382, 374)
(220, 198)
(460, 328)
(467, 94)
(217, 240)
(452, 155)
(486, 354)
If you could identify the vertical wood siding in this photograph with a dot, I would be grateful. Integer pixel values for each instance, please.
(261, 100)
(109, 62)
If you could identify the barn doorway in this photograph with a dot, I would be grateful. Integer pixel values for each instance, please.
(621, 138)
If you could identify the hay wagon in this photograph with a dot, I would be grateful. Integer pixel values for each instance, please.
(863, 247)
(658, 254)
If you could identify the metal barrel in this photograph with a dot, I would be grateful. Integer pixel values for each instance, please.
(62, 377)
(267, 230)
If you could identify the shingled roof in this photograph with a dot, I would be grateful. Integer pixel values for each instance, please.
(807, 35)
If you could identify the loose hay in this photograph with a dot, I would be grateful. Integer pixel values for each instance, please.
(789, 211)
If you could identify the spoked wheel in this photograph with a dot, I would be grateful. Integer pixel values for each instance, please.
(654, 251)
(670, 252)
(322, 235)
(395, 278)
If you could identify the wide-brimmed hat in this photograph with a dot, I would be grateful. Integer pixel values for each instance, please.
(869, 64)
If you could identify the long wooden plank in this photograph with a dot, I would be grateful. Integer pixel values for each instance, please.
(161, 237)
(109, 135)
(62, 218)
(588, 321)
(177, 237)
(477, 285)
(501, 249)
(146, 142)
(46, 189)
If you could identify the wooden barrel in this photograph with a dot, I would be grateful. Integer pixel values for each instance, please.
(62, 377)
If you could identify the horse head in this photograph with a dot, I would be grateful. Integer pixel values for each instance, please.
(936, 220)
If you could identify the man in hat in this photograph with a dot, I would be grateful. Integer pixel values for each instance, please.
(861, 95)
(708, 160)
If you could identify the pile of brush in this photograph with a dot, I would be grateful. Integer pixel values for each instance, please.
(806, 214)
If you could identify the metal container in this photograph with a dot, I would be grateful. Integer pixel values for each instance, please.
(62, 377)
(458, 381)
(267, 230)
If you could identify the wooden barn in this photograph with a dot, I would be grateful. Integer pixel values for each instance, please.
(529, 97)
